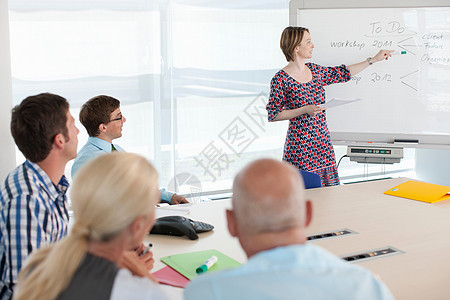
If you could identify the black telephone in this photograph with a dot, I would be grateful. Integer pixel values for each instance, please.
(179, 226)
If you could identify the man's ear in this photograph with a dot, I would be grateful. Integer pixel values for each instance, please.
(309, 212)
(231, 221)
(102, 127)
(59, 140)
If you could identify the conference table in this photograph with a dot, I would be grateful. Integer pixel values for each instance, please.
(405, 243)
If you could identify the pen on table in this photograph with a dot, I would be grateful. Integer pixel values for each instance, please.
(398, 52)
(207, 264)
(146, 249)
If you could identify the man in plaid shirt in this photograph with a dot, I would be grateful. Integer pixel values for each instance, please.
(33, 210)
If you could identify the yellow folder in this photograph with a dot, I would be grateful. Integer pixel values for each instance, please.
(420, 191)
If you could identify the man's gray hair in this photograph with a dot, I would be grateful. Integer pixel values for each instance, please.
(269, 209)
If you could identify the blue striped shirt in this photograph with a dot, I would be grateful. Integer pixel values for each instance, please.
(33, 214)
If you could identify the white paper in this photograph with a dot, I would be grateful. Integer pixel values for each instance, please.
(338, 102)
(173, 210)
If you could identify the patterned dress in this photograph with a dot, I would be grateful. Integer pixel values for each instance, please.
(308, 145)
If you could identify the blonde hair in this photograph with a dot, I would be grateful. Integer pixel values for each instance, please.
(108, 194)
(291, 38)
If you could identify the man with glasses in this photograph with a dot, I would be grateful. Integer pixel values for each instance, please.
(103, 120)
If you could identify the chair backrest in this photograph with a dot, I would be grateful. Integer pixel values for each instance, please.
(311, 180)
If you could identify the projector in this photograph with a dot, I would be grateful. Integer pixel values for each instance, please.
(375, 154)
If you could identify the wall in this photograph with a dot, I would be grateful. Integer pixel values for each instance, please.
(7, 149)
(432, 165)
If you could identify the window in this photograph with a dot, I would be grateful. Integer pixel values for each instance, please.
(192, 78)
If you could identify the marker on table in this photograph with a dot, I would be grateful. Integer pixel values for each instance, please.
(398, 52)
(207, 264)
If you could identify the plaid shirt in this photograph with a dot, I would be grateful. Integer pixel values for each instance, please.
(33, 214)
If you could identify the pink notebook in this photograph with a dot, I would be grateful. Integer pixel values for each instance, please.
(169, 276)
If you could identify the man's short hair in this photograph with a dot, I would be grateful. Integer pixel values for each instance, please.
(36, 121)
(97, 111)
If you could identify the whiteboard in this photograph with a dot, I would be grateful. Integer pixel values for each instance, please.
(406, 97)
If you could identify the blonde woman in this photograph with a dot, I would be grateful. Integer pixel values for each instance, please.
(113, 199)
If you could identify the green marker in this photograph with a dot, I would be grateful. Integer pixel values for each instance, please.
(398, 53)
(207, 265)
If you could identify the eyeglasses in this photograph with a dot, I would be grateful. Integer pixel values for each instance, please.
(117, 119)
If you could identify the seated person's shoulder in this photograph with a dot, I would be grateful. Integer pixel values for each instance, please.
(86, 153)
(210, 286)
(21, 183)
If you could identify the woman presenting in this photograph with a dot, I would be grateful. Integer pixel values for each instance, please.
(295, 93)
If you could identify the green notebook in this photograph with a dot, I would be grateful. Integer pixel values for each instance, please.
(187, 263)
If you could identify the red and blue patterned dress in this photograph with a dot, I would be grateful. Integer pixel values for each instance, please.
(308, 146)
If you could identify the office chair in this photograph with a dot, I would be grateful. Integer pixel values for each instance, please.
(311, 180)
